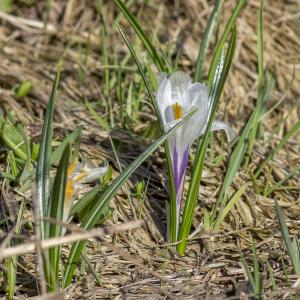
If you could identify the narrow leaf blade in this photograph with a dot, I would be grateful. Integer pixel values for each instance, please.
(42, 180)
(95, 211)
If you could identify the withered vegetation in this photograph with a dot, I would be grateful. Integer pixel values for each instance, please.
(139, 264)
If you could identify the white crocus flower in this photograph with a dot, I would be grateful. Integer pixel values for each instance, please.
(176, 97)
(79, 173)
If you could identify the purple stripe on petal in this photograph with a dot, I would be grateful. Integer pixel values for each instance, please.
(183, 165)
(175, 169)
(179, 168)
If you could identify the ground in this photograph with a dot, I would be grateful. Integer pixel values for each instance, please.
(139, 264)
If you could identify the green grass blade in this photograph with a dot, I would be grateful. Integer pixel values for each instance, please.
(171, 206)
(70, 139)
(102, 122)
(233, 166)
(93, 215)
(11, 266)
(27, 146)
(141, 34)
(284, 140)
(12, 261)
(257, 283)
(116, 20)
(42, 180)
(206, 38)
(287, 240)
(219, 48)
(10, 136)
(271, 274)
(296, 251)
(85, 200)
(192, 197)
(27, 170)
(235, 198)
(55, 212)
(282, 181)
(6, 6)
(248, 273)
(142, 73)
(249, 133)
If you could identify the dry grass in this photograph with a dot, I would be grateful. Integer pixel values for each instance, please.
(138, 264)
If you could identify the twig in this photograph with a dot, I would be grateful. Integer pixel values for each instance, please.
(45, 244)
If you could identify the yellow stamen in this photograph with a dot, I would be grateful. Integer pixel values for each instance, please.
(70, 190)
(177, 111)
(71, 167)
(80, 176)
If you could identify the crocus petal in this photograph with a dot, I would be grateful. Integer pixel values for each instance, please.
(161, 77)
(176, 97)
(198, 97)
(180, 163)
(180, 82)
(95, 174)
(218, 125)
(164, 97)
(79, 173)
(179, 160)
(198, 94)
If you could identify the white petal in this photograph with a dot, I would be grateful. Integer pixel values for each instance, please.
(219, 125)
(95, 173)
(161, 77)
(169, 116)
(163, 97)
(180, 82)
(77, 169)
(198, 94)
(198, 97)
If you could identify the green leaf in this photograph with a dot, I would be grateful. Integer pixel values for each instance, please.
(55, 212)
(248, 273)
(206, 38)
(102, 122)
(142, 73)
(218, 82)
(141, 34)
(249, 133)
(283, 180)
(12, 261)
(254, 278)
(12, 138)
(23, 89)
(93, 215)
(42, 179)
(292, 251)
(219, 48)
(258, 286)
(171, 207)
(27, 168)
(233, 166)
(70, 139)
(85, 200)
(6, 5)
(284, 140)
(224, 212)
